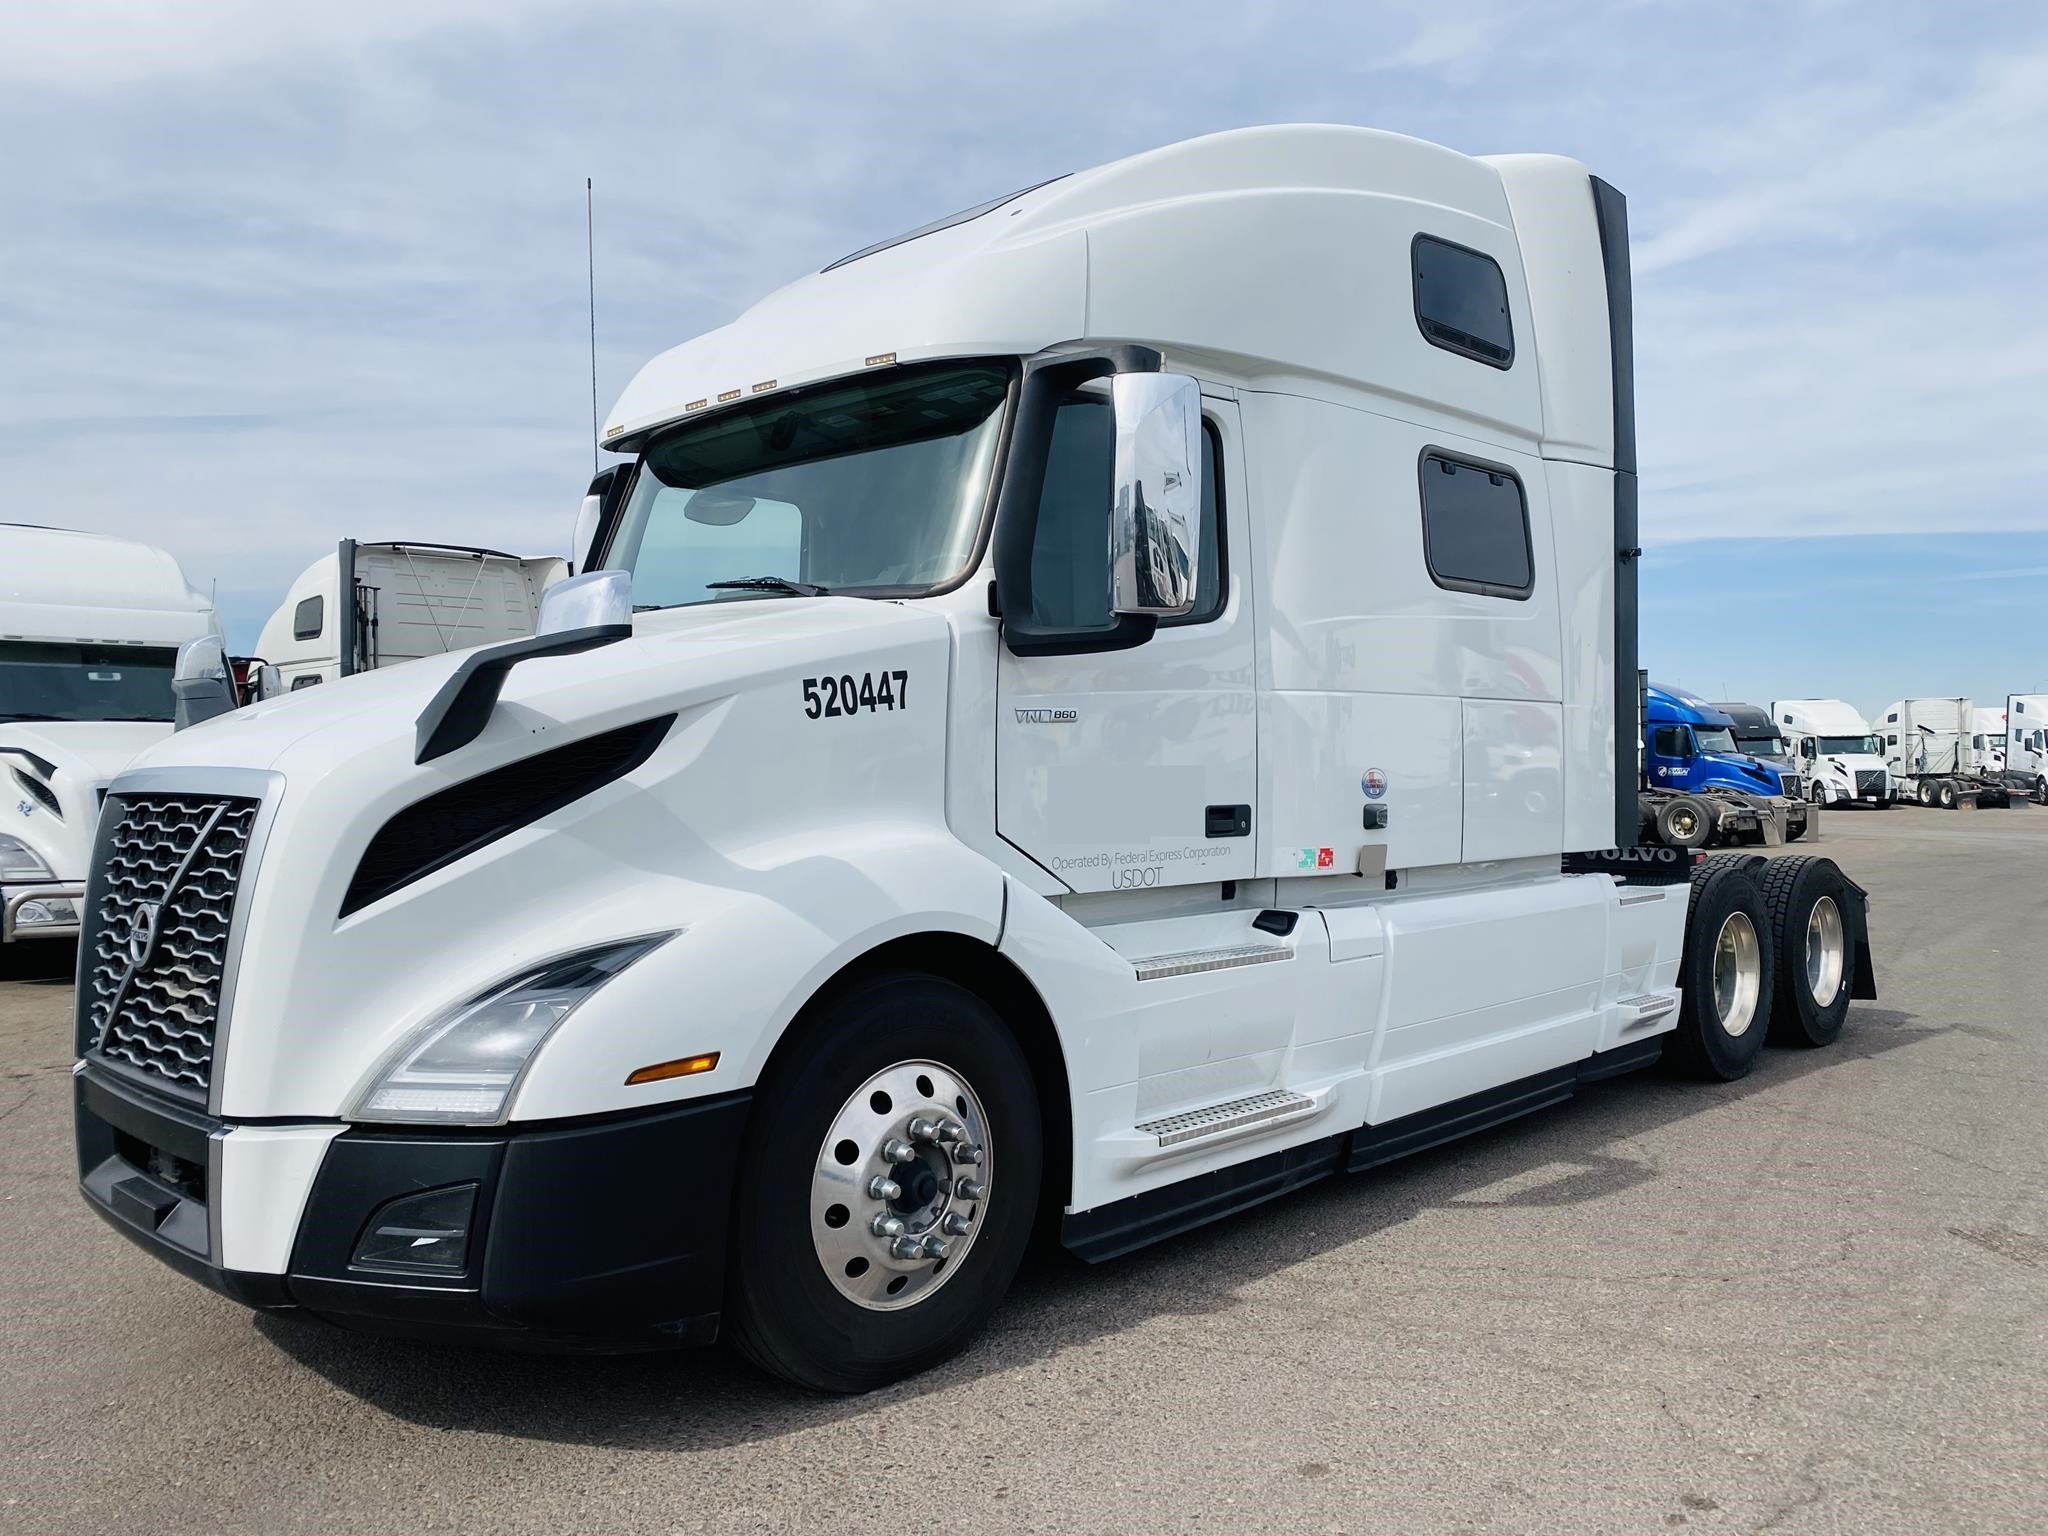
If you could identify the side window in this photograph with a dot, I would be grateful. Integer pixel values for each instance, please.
(1892, 718)
(1461, 301)
(1475, 528)
(309, 680)
(1070, 555)
(308, 617)
(1670, 741)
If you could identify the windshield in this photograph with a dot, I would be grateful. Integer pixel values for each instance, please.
(1714, 739)
(1772, 745)
(873, 485)
(85, 682)
(1850, 746)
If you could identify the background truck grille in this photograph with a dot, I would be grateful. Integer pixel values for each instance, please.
(165, 872)
(1869, 781)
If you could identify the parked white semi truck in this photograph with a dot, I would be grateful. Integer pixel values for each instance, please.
(371, 605)
(1935, 753)
(2026, 745)
(89, 630)
(1987, 736)
(1842, 756)
(1102, 710)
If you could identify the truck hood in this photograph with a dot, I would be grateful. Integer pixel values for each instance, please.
(1740, 765)
(69, 760)
(93, 750)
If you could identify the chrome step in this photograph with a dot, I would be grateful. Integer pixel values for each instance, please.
(1190, 962)
(1262, 1109)
(1648, 1008)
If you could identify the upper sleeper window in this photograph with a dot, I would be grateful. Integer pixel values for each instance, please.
(307, 618)
(1475, 528)
(1461, 301)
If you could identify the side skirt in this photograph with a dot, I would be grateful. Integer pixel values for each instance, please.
(1123, 1226)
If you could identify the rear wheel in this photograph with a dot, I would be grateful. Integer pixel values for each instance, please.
(1724, 976)
(2041, 791)
(1684, 823)
(888, 1186)
(1927, 792)
(1808, 901)
(1945, 795)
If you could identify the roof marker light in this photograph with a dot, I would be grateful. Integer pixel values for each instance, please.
(764, 386)
(880, 358)
(727, 395)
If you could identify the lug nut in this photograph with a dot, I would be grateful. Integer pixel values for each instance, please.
(894, 1151)
(885, 1225)
(966, 1152)
(907, 1248)
(970, 1189)
(936, 1248)
(922, 1129)
(956, 1224)
(952, 1130)
(882, 1188)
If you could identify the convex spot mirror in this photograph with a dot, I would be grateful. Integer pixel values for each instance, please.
(1155, 527)
(593, 600)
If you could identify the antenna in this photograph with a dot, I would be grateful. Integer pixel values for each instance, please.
(590, 269)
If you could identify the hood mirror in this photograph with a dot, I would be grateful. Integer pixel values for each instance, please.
(594, 599)
(200, 683)
(1155, 527)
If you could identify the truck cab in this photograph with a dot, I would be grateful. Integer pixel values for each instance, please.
(2026, 744)
(1841, 755)
(1083, 717)
(89, 633)
(1690, 750)
(371, 605)
(1987, 739)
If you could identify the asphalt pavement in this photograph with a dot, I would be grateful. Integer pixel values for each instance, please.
(1812, 1301)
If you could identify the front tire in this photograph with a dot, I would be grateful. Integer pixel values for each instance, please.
(901, 1081)
(1724, 977)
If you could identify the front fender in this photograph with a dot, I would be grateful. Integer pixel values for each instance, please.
(745, 962)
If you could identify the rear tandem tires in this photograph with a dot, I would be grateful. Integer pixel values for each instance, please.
(1725, 975)
(1808, 901)
(889, 1184)
(1945, 795)
(1684, 823)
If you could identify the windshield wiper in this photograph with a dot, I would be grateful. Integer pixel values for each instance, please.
(770, 584)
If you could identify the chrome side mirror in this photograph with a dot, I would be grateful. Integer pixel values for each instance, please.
(594, 599)
(200, 685)
(1155, 530)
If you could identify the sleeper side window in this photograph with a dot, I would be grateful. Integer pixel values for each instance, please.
(308, 617)
(1070, 554)
(1475, 528)
(1461, 301)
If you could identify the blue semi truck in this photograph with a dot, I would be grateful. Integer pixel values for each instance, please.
(1700, 788)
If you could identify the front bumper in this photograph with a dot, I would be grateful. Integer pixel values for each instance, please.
(14, 897)
(600, 1235)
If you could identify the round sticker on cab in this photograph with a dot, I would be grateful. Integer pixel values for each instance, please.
(1374, 784)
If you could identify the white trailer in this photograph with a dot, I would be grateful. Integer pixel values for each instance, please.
(1101, 711)
(372, 605)
(2026, 745)
(1934, 752)
(89, 632)
(1843, 758)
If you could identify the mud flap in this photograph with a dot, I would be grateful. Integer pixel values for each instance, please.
(1863, 976)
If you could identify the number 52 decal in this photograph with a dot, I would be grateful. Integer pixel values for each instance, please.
(827, 696)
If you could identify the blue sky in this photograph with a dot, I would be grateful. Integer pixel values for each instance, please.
(274, 274)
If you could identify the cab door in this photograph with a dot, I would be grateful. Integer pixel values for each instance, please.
(1132, 769)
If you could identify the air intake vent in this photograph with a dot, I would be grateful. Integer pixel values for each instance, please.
(40, 792)
(440, 829)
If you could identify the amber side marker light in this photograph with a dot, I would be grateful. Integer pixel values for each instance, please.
(682, 1066)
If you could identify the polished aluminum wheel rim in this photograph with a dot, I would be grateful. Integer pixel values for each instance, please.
(1738, 974)
(900, 1185)
(1825, 951)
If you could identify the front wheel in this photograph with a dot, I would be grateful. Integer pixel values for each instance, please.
(888, 1188)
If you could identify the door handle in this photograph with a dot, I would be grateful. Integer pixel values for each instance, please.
(1227, 821)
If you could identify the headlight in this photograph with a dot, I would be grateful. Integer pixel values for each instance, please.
(461, 1066)
(18, 861)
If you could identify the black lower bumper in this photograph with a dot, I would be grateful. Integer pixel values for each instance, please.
(600, 1235)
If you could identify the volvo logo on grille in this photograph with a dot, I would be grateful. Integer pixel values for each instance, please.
(142, 933)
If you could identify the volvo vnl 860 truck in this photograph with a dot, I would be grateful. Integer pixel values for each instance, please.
(1095, 713)
(1842, 755)
(89, 630)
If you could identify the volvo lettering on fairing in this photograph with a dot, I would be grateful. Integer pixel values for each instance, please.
(1100, 711)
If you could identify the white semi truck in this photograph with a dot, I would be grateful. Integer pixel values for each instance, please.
(1988, 738)
(1935, 754)
(1096, 713)
(2026, 745)
(89, 631)
(371, 605)
(1842, 756)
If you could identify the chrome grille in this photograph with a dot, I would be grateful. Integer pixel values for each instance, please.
(163, 890)
(1869, 781)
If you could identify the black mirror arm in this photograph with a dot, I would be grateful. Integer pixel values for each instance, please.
(459, 711)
